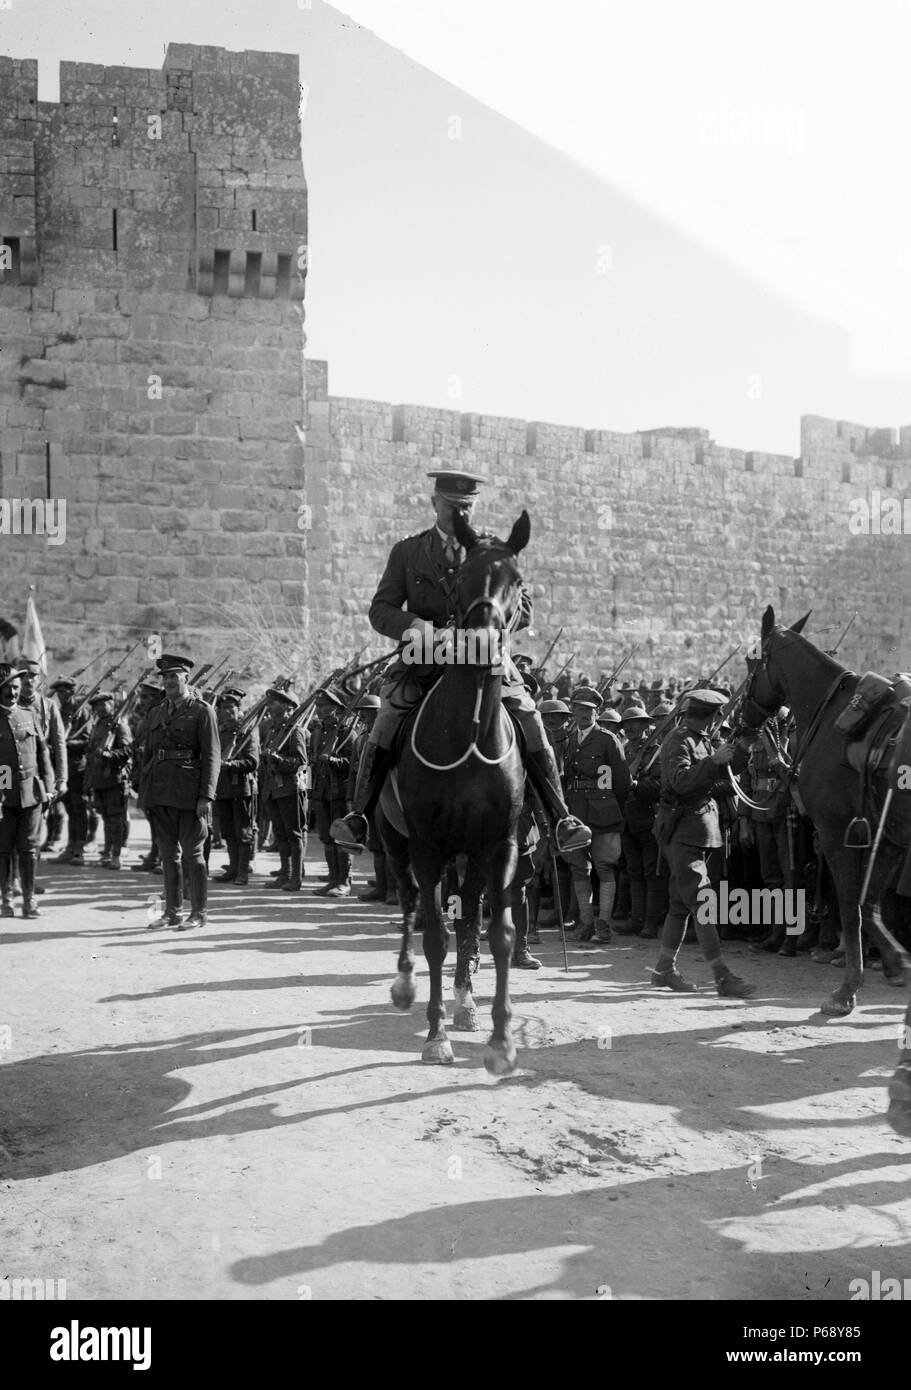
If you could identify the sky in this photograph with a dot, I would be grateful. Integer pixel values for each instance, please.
(618, 215)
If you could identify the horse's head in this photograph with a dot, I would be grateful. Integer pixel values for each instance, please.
(490, 583)
(765, 692)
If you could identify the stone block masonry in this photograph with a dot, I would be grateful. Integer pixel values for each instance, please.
(152, 235)
(151, 323)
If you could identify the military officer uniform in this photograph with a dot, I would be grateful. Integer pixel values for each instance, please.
(109, 753)
(331, 770)
(284, 764)
(597, 781)
(645, 866)
(235, 794)
(179, 776)
(26, 785)
(150, 695)
(691, 780)
(417, 592)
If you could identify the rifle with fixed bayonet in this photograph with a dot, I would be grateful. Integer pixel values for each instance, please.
(608, 681)
(540, 669)
(70, 732)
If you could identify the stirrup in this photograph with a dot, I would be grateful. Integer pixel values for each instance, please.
(345, 834)
(857, 835)
(571, 834)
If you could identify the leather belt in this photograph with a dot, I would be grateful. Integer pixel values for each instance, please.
(183, 754)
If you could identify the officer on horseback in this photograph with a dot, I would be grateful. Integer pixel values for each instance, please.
(416, 595)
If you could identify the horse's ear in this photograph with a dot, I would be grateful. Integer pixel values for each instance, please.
(464, 533)
(520, 533)
(768, 624)
(800, 624)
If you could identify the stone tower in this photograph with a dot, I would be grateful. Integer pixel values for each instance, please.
(153, 232)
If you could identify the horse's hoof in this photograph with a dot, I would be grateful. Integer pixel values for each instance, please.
(466, 1020)
(500, 1058)
(837, 1007)
(402, 992)
(438, 1053)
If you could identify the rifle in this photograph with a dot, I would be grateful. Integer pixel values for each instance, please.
(718, 669)
(76, 713)
(608, 681)
(563, 668)
(221, 683)
(539, 670)
(654, 740)
(844, 634)
(339, 676)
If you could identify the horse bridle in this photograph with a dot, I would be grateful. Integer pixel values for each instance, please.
(488, 600)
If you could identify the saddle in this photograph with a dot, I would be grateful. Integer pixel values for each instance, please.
(878, 732)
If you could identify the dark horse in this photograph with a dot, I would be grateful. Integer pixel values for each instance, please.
(817, 688)
(460, 783)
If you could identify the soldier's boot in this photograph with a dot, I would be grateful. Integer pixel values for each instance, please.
(351, 831)
(27, 875)
(65, 855)
(92, 820)
(197, 878)
(622, 910)
(773, 942)
(6, 896)
(331, 852)
(655, 907)
(377, 894)
(244, 857)
(229, 873)
(586, 910)
(522, 958)
(284, 872)
(637, 894)
(77, 858)
(342, 886)
(808, 938)
(533, 899)
(569, 832)
(606, 893)
(294, 878)
(170, 915)
(116, 846)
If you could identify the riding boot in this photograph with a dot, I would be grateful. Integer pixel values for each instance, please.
(170, 873)
(331, 852)
(294, 878)
(637, 895)
(284, 872)
(522, 958)
(569, 832)
(77, 858)
(606, 892)
(376, 894)
(586, 909)
(229, 874)
(351, 831)
(197, 879)
(243, 853)
(623, 904)
(342, 886)
(27, 875)
(6, 896)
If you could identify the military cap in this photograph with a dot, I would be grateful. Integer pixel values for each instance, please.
(102, 695)
(658, 684)
(151, 686)
(231, 692)
(584, 695)
(554, 707)
(456, 485)
(634, 712)
(368, 702)
(662, 709)
(626, 686)
(703, 701)
(284, 696)
(523, 656)
(608, 716)
(169, 662)
(9, 673)
(331, 696)
(63, 683)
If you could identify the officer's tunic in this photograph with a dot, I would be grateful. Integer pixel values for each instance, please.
(26, 782)
(107, 775)
(235, 792)
(284, 790)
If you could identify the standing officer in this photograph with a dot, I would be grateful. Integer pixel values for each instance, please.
(597, 781)
(417, 593)
(26, 786)
(150, 695)
(109, 752)
(235, 794)
(177, 787)
(50, 722)
(284, 770)
(331, 766)
(689, 829)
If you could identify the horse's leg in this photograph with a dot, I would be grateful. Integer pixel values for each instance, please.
(500, 1052)
(427, 867)
(468, 948)
(402, 991)
(885, 872)
(847, 867)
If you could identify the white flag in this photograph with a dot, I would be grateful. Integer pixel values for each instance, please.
(33, 642)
